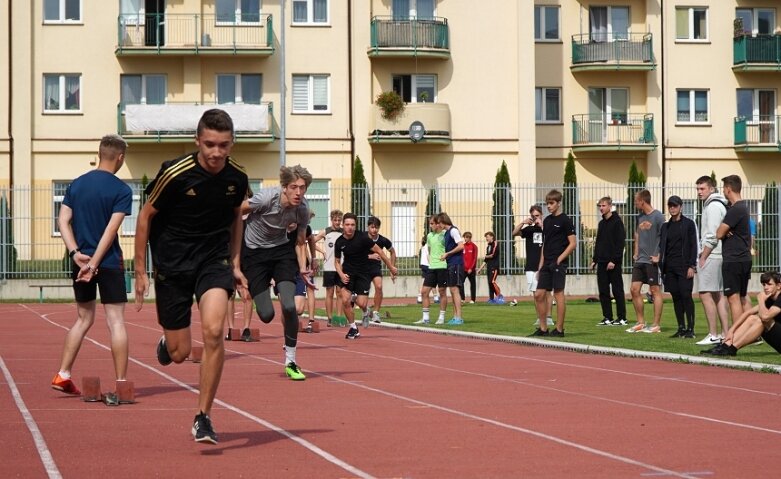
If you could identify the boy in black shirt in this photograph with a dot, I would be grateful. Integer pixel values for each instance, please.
(355, 247)
(491, 263)
(373, 225)
(608, 255)
(558, 241)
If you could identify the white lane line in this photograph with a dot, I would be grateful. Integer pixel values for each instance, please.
(299, 440)
(40, 444)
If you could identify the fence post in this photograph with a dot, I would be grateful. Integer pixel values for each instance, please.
(778, 227)
(579, 241)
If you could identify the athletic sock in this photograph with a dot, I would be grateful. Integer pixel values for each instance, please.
(65, 374)
(425, 314)
(290, 355)
(441, 315)
(353, 325)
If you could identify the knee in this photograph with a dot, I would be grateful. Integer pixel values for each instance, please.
(635, 290)
(266, 314)
(289, 310)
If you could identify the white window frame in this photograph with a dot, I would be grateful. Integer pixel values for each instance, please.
(239, 98)
(61, 19)
(610, 36)
(61, 107)
(144, 78)
(544, 9)
(690, 14)
(754, 17)
(543, 112)
(414, 95)
(413, 10)
(311, 93)
(310, 14)
(237, 14)
(692, 111)
(58, 196)
(128, 227)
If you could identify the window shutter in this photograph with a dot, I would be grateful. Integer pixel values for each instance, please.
(300, 93)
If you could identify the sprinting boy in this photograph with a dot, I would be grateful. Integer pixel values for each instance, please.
(375, 271)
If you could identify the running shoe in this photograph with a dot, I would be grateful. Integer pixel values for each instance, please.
(491, 301)
(637, 327)
(499, 299)
(556, 333)
(455, 321)
(353, 333)
(436, 299)
(651, 329)
(678, 334)
(649, 297)
(723, 350)
(539, 332)
(202, 429)
(309, 326)
(294, 372)
(689, 334)
(228, 335)
(365, 318)
(246, 336)
(619, 322)
(708, 340)
(162, 353)
(65, 385)
(420, 299)
(376, 317)
(605, 322)
(440, 321)
(756, 342)
(548, 321)
(421, 321)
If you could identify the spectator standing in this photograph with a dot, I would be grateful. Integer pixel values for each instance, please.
(470, 268)
(530, 230)
(608, 255)
(329, 237)
(678, 263)
(436, 275)
(454, 247)
(491, 263)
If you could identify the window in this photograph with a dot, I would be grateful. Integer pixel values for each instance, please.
(142, 90)
(758, 108)
(237, 88)
(692, 106)
(546, 23)
(418, 9)
(129, 223)
(61, 93)
(607, 24)
(311, 94)
(310, 11)
(132, 12)
(238, 11)
(547, 105)
(62, 11)
(608, 105)
(691, 23)
(58, 195)
(318, 196)
(416, 88)
(757, 21)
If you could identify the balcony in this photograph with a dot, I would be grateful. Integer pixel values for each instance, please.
(194, 34)
(176, 122)
(409, 37)
(761, 53)
(435, 118)
(616, 132)
(757, 134)
(594, 51)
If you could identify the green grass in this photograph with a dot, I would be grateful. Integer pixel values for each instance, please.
(580, 327)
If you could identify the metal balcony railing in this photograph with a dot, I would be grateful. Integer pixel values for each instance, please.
(759, 130)
(613, 49)
(410, 33)
(748, 49)
(615, 130)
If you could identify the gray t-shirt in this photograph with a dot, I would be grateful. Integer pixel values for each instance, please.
(649, 230)
(268, 222)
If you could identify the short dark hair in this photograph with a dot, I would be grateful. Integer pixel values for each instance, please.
(490, 233)
(536, 208)
(111, 146)
(348, 216)
(734, 182)
(215, 119)
(373, 221)
(769, 276)
(444, 219)
(706, 180)
(644, 195)
(554, 195)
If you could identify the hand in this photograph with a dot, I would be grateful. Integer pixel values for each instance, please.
(702, 262)
(86, 273)
(142, 288)
(593, 265)
(306, 275)
(690, 273)
(374, 256)
(314, 266)
(394, 272)
(345, 278)
(655, 259)
(241, 285)
(443, 257)
(611, 266)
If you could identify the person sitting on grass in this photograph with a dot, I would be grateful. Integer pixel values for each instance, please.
(761, 320)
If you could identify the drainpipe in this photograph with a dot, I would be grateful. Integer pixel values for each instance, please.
(350, 125)
(10, 107)
(664, 98)
(282, 89)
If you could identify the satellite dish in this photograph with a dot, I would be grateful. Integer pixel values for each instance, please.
(416, 131)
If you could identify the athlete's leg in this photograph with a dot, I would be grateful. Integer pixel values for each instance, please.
(115, 319)
(85, 317)
(213, 305)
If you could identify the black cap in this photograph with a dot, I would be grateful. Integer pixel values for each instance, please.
(675, 200)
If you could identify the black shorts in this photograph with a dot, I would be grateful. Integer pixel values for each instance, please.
(261, 265)
(358, 284)
(435, 278)
(552, 277)
(111, 283)
(455, 275)
(423, 270)
(330, 279)
(735, 277)
(773, 336)
(375, 270)
(174, 291)
(645, 273)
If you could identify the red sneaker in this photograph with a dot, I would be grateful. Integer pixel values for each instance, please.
(65, 385)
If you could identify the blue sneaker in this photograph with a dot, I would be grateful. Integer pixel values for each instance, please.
(491, 301)
(499, 299)
(456, 321)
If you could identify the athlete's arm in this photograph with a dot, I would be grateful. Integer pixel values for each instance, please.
(569, 249)
(66, 232)
(91, 268)
(393, 271)
(237, 236)
(139, 258)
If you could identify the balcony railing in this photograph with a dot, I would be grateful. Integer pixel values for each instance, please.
(602, 51)
(758, 53)
(435, 118)
(757, 133)
(194, 34)
(176, 122)
(618, 131)
(392, 36)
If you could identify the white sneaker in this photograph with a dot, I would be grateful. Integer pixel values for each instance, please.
(440, 321)
(421, 321)
(709, 339)
(436, 299)
(420, 299)
(549, 321)
(376, 317)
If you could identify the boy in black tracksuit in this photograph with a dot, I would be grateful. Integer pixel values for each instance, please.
(608, 255)
(678, 263)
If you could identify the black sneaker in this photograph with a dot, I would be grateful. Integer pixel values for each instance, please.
(715, 350)
(678, 334)
(353, 333)
(557, 333)
(202, 429)
(309, 326)
(605, 322)
(724, 350)
(619, 322)
(246, 336)
(162, 353)
(540, 332)
(688, 334)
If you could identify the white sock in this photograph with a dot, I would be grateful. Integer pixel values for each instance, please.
(65, 374)
(290, 355)
(353, 325)
(441, 314)
(425, 314)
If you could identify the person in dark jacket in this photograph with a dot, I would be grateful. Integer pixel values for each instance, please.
(678, 262)
(608, 255)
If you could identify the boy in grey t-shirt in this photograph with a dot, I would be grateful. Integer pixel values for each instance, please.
(646, 266)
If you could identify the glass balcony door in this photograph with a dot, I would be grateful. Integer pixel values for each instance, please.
(607, 109)
(608, 24)
(758, 107)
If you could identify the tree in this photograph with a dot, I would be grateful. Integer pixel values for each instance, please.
(635, 183)
(570, 198)
(767, 236)
(432, 207)
(502, 218)
(361, 200)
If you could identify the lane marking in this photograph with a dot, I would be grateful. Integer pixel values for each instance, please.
(40, 444)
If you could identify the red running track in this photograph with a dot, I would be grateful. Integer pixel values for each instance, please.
(392, 404)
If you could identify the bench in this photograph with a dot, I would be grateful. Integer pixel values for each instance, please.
(41, 286)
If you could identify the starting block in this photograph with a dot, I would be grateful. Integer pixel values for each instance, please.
(234, 334)
(304, 326)
(90, 389)
(254, 334)
(125, 392)
(196, 353)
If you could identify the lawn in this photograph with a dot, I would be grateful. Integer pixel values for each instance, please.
(580, 327)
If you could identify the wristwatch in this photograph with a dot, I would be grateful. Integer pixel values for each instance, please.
(73, 252)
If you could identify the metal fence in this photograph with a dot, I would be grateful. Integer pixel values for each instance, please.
(31, 247)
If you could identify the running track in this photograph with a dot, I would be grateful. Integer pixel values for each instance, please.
(393, 404)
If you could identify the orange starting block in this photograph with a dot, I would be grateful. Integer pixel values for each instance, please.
(304, 326)
(126, 392)
(90, 389)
